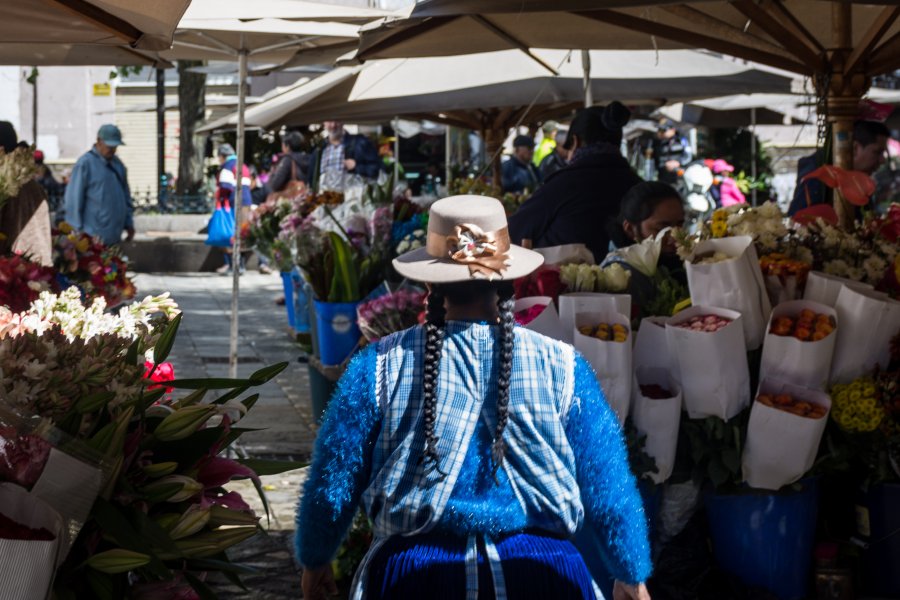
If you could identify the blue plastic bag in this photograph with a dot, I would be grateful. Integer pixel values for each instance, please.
(220, 232)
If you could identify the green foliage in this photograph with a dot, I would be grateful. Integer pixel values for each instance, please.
(642, 464)
(715, 447)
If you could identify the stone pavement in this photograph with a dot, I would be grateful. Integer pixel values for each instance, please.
(283, 412)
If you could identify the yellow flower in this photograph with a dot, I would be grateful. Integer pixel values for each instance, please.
(64, 227)
(720, 215)
(83, 244)
(719, 228)
(869, 390)
(856, 395)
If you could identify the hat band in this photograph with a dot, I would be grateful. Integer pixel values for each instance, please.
(486, 253)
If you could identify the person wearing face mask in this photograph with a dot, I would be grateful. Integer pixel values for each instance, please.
(869, 147)
(341, 154)
(574, 203)
(98, 200)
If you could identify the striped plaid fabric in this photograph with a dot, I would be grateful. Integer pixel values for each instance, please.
(403, 498)
(332, 158)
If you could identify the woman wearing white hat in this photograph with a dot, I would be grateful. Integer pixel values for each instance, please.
(478, 449)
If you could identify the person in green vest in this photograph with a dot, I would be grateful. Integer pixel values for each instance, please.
(548, 143)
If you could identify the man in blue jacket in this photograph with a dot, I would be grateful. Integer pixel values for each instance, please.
(342, 153)
(98, 200)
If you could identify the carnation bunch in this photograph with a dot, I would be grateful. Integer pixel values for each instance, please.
(96, 269)
(21, 280)
(593, 278)
(390, 312)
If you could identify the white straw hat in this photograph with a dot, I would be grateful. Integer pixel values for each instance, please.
(467, 239)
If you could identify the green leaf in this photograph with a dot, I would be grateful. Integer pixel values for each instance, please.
(271, 467)
(117, 526)
(153, 532)
(101, 584)
(718, 474)
(732, 460)
(231, 395)
(192, 398)
(210, 383)
(166, 340)
(267, 373)
(203, 590)
(153, 396)
(131, 357)
(250, 401)
(345, 269)
(262, 497)
(94, 402)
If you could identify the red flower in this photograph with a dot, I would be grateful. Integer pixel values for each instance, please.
(22, 458)
(164, 372)
(543, 282)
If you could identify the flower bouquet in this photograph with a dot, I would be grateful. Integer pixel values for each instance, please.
(164, 516)
(386, 312)
(96, 269)
(21, 280)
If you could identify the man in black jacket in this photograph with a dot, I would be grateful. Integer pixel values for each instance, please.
(575, 203)
(293, 164)
(342, 153)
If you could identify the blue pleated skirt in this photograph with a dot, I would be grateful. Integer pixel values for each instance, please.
(433, 566)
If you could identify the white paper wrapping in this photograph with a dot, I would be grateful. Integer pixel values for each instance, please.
(27, 567)
(735, 284)
(579, 302)
(785, 358)
(651, 348)
(546, 323)
(566, 253)
(781, 447)
(868, 321)
(710, 367)
(659, 420)
(610, 360)
(824, 288)
(782, 288)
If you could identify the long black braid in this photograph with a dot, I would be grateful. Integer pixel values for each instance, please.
(434, 343)
(505, 304)
(466, 293)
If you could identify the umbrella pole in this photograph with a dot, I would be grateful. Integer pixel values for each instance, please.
(447, 156)
(753, 198)
(586, 66)
(238, 208)
(396, 153)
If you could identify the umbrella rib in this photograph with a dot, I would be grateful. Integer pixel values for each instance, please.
(698, 17)
(509, 38)
(692, 38)
(794, 23)
(886, 57)
(225, 47)
(193, 46)
(109, 22)
(879, 27)
(405, 34)
(758, 14)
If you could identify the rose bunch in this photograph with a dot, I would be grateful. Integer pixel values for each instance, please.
(391, 312)
(21, 280)
(96, 269)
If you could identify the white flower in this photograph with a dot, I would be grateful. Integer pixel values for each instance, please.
(874, 267)
(616, 278)
(33, 369)
(644, 256)
(770, 210)
(804, 254)
(856, 273)
(837, 267)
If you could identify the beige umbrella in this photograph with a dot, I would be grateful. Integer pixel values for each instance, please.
(267, 40)
(840, 44)
(136, 23)
(282, 9)
(77, 55)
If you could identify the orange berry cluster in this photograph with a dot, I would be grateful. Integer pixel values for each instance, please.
(808, 326)
(605, 332)
(795, 406)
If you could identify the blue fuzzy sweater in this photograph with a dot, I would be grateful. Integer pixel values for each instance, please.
(341, 468)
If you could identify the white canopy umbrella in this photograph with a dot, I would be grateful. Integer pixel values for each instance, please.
(136, 23)
(282, 9)
(76, 55)
(456, 89)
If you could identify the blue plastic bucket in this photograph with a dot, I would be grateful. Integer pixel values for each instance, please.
(301, 302)
(336, 330)
(766, 539)
(288, 286)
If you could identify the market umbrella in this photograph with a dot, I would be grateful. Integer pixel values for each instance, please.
(490, 92)
(282, 9)
(840, 44)
(267, 40)
(135, 23)
(76, 55)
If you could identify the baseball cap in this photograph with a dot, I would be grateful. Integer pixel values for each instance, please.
(523, 140)
(549, 126)
(110, 135)
(38, 156)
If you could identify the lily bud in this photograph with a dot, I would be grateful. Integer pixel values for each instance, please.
(219, 515)
(193, 520)
(160, 469)
(117, 561)
(172, 488)
(210, 543)
(183, 422)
